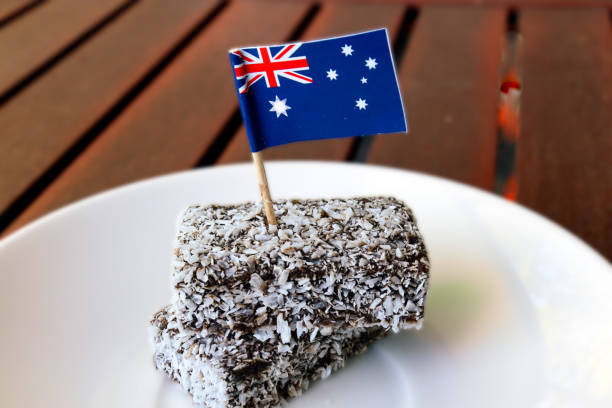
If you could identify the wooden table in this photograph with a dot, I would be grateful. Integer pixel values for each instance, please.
(95, 94)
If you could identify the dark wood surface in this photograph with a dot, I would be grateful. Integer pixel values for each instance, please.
(45, 119)
(497, 3)
(98, 94)
(37, 36)
(12, 9)
(170, 125)
(565, 146)
(450, 88)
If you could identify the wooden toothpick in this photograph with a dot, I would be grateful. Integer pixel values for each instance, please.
(263, 188)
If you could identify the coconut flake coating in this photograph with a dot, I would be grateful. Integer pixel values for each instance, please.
(330, 265)
(237, 370)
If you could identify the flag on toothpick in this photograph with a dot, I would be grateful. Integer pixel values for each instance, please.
(336, 87)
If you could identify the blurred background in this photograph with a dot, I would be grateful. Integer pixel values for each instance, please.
(510, 96)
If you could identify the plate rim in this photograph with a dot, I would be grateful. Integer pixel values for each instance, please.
(105, 194)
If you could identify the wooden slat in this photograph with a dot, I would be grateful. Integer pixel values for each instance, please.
(333, 19)
(450, 88)
(37, 36)
(44, 120)
(10, 8)
(504, 3)
(565, 145)
(173, 122)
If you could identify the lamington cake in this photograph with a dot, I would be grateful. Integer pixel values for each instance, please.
(227, 369)
(261, 311)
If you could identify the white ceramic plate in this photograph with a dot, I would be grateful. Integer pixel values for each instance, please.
(519, 313)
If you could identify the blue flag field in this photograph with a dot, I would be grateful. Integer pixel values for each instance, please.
(338, 87)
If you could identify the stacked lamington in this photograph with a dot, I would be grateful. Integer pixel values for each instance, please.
(260, 312)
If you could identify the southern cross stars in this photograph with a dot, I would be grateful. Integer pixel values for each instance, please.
(371, 63)
(279, 107)
(332, 74)
(347, 50)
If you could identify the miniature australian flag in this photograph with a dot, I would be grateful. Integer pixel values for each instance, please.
(336, 87)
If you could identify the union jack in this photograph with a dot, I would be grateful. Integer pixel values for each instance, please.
(270, 67)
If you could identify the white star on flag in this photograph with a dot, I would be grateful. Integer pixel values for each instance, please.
(364, 80)
(279, 107)
(361, 104)
(331, 74)
(347, 50)
(371, 63)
